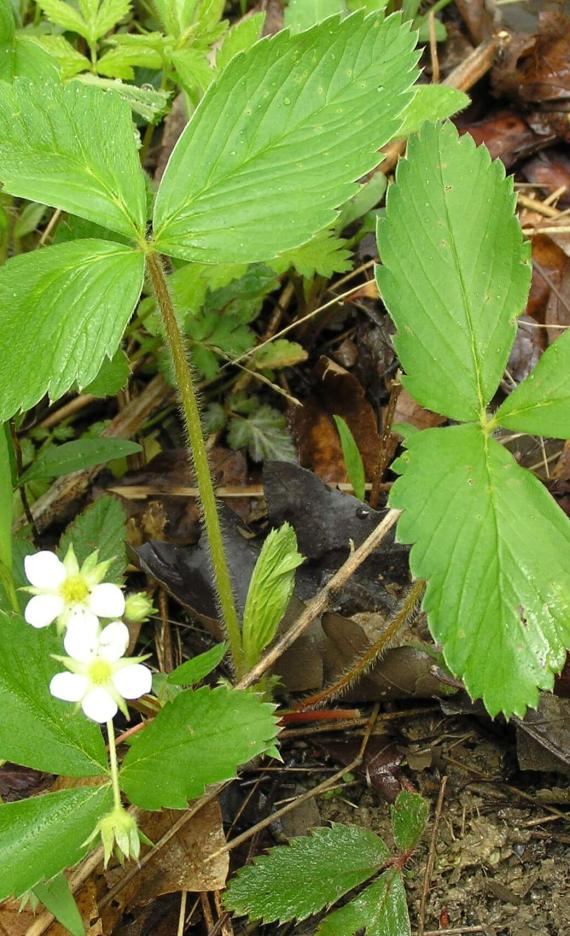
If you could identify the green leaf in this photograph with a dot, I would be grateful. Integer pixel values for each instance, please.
(325, 254)
(492, 545)
(63, 311)
(380, 910)
(352, 458)
(56, 896)
(41, 836)
(129, 51)
(113, 376)
(270, 591)
(367, 197)
(194, 670)
(279, 353)
(92, 20)
(57, 460)
(69, 61)
(101, 526)
(146, 102)
(455, 271)
(22, 57)
(280, 138)
(175, 15)
(31, 216)
(199, 738)
(302, 14)
(240, 38)
(54, 149)
(193, 69)
(296, 880)
(541, 404)
(430, 103)
(64, 15)
(264, 433)
(37, 730)
(409, 816)
(6, 468)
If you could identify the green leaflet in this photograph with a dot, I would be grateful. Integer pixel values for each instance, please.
(302, 14)
(455, 271)
(41, 836)
(92, 20)
(101, 526)
(194, 670)
(113, 376)
(75, 300)
(264, 433)
(56, 896)
(72, 147)
(493, 547)
(240, 38)
(352, 458)
(37, 730)
(200, 738)
(57, 460)
(325, 254)
(380, 910)
(409, 816)
(431, 102)
(299, 879)
(288, 119)
(541, 404)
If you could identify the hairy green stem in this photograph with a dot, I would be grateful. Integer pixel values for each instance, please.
(199, 455)
(114, 764)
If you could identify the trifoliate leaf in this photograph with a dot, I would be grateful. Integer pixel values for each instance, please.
(37, 730)
(101, 526)
(281, 137)
(57, 460)
(200, 738)
(240, 38)
(72, 147)
(41, 836)
(325, 254)
(112, 377)
(493, 547)
(275, 886)
(380, 910)
(409, 817)
(454, 272)
(194, 670)
(431, 102)
(352, 458)
(92, 20)
(63, 310)
(541, 404)
(302, 14)
(270, 590)
(279, 353)
(264, 433)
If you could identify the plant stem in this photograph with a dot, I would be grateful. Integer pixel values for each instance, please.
(199, 455)
(114, 764)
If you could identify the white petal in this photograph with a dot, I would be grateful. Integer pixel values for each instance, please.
(82, 636)
(44, 570)
(114, 641)
(133, 681)
(41, 610)
(107, 601)
(68, 686)
(98, 705)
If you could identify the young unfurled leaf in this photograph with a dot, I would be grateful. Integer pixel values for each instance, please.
(493, 546)
(541, 404)
(352, 458)
(194, 670)
(270, 591)
(431, 102)
(264, 433)
(200, 738)
(72, 301)
(72, 147)
(453, 288)
(49, 735)
(409, 817)
(41, 836)
(56, 897)
(296, 880)
(283, 117)
(380, 910)
(101, 526)
(278, 354)
(57, 460)
(325, 254)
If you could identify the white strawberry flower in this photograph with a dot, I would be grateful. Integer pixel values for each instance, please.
(64, 591)
(99, 678)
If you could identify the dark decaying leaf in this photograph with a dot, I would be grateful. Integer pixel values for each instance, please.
(380, 766)
(543, 736)
(507, 135)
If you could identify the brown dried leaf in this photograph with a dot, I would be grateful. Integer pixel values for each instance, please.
(408, 411)
(506, 135)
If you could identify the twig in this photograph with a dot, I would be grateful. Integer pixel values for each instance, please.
(431, 858)
(433, 48)
(68, 409)
(388, 442)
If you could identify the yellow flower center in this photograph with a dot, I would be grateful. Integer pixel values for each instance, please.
(74, 590)
(99, 672)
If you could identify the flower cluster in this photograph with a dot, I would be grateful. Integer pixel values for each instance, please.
(98, 676)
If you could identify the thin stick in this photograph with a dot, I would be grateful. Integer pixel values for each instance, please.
(199, 455)
(388, 442)
(320, 602)
(431, 857)
(182, 917)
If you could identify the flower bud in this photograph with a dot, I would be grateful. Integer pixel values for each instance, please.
(138, 607)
